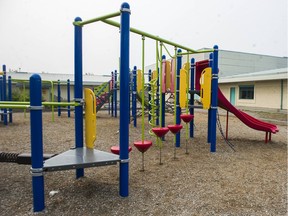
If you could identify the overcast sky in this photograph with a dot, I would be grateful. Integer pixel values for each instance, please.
(37, 35)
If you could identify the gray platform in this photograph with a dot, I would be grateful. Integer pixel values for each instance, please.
(80, 158)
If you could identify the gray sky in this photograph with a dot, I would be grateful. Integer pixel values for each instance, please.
(37, 35)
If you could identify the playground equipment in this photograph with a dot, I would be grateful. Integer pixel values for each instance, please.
(204, 79)
(82, 157)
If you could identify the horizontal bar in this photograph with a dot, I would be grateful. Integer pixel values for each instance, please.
(136, 31)
(82, 23)
(12, 103)
(14, 106)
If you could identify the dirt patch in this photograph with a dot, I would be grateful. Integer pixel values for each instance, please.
(250, 181)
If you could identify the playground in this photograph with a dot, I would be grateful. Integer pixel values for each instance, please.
(250, 181)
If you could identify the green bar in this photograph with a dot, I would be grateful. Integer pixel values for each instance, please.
(143, 93)
(14, 106)
(82, 23)
(21, 103)
(136, 31)
(61, 104)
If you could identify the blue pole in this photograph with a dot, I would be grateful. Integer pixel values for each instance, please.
(112, 95)
(178, 108)
(109, 97)
(214, 99)
(124, 93)
(59, 97)
(115, 94)
(78, 88)
(10, 97)
(134, 92)
(4, 95)
(192, 87)
(68, 97)
(149, 96)
(129, 98)
(36, 143)
(1, 93)
(209, 110)
(163, 103)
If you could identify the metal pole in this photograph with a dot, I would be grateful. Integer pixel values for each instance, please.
(192, 97)
(134, 92)
(162, 98)
(10, 97)
(1, 93)
(178, 108)
(68, 97)
(214, 99)
(112, 95)
(149, 96)
(227, 120)
(209, 110)
(78, 90)
(36, 143)
(4, 94)
(59, 97)
(139, 32)
(124, 106)
(115, 94)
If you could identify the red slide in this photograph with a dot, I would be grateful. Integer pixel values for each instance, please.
(244, 117)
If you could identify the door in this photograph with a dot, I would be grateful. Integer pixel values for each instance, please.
(232, 95)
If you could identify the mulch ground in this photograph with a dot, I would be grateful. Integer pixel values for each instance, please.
(252, 180)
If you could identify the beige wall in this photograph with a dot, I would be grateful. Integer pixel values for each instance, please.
(267, 94)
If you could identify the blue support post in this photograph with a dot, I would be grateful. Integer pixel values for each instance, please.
(115, 94)
(214, 99)
(4, 95)
(36, 143)
(209, 110)
(68, 97)
(149, 96)
(124, 93)
(10, 97)
(192, 87)
(112, 95)
(59, 96)
(130, 95)
(1, 94)
(134, 92)
(109, 106)
(163, 102)
(78, 90)
(178, 108)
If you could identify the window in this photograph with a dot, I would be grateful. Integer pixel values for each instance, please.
(246, 92)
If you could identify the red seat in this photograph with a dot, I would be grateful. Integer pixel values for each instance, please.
(116, 149)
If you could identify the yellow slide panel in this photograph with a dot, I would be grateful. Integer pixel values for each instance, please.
(168, 76)
(90, 118)
(183, 88)
(154, 75)
(205, 91)
(139, 81)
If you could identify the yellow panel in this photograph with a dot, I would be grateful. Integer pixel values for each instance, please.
(168, 76)
(90, 118)
(139, 80)
(183, 88)
(205, 91)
